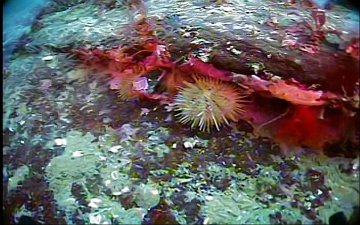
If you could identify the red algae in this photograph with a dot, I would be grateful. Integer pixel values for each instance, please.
(305, 127)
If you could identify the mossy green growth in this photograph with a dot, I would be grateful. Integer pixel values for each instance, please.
(245, 198)
(155, 142)
(110, 210)
(115, 177)
(237, 208)
(82, 161)
(196, 142)
(79, 161)
(12, 103)
(345, 194)
(151, 145)
(241, 202)
(147, 196)
(19, 175)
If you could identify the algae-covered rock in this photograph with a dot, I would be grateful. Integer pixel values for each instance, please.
(79, 161)
(85, 161)
(344, 186)
(148, 142)
(79, 25)
(240, 207)
(115, 178)
(19, 175)
(132, 216)
(147, 196)
(237, 208)
(114, 211)
(155, 143)
(334, 188)
(195, 141)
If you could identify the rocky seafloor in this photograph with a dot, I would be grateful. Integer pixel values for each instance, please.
(74, 153)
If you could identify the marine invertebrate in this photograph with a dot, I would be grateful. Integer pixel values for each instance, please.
(208, 102)
(127, 88)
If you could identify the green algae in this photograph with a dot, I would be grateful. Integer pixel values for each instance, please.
(247, 197)
(109, 210)
(20, 174)
(155, 142)
(237, 208)
(78, 162)
(83, 159)
(81, 24)
(147, 196)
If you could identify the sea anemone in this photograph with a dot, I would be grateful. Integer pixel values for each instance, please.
(208, 102)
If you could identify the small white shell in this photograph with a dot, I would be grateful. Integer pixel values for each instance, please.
(114, 175)
(125, 189)
(235, 51)
(115, 149)
(60, 142)
(122, 191)
(206, 220)
(95, 219)
(107, 183)
(117, 193)
(319, 192)
(47, 58)
(188, 144)
(144, 111)
(96, 200)
(94, 203)
(209, 198)
(154, 192)
(77, 154)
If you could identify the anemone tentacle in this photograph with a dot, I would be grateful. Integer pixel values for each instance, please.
(208, 102)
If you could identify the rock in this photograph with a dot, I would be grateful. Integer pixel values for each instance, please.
(147, 196)
(332, 69)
